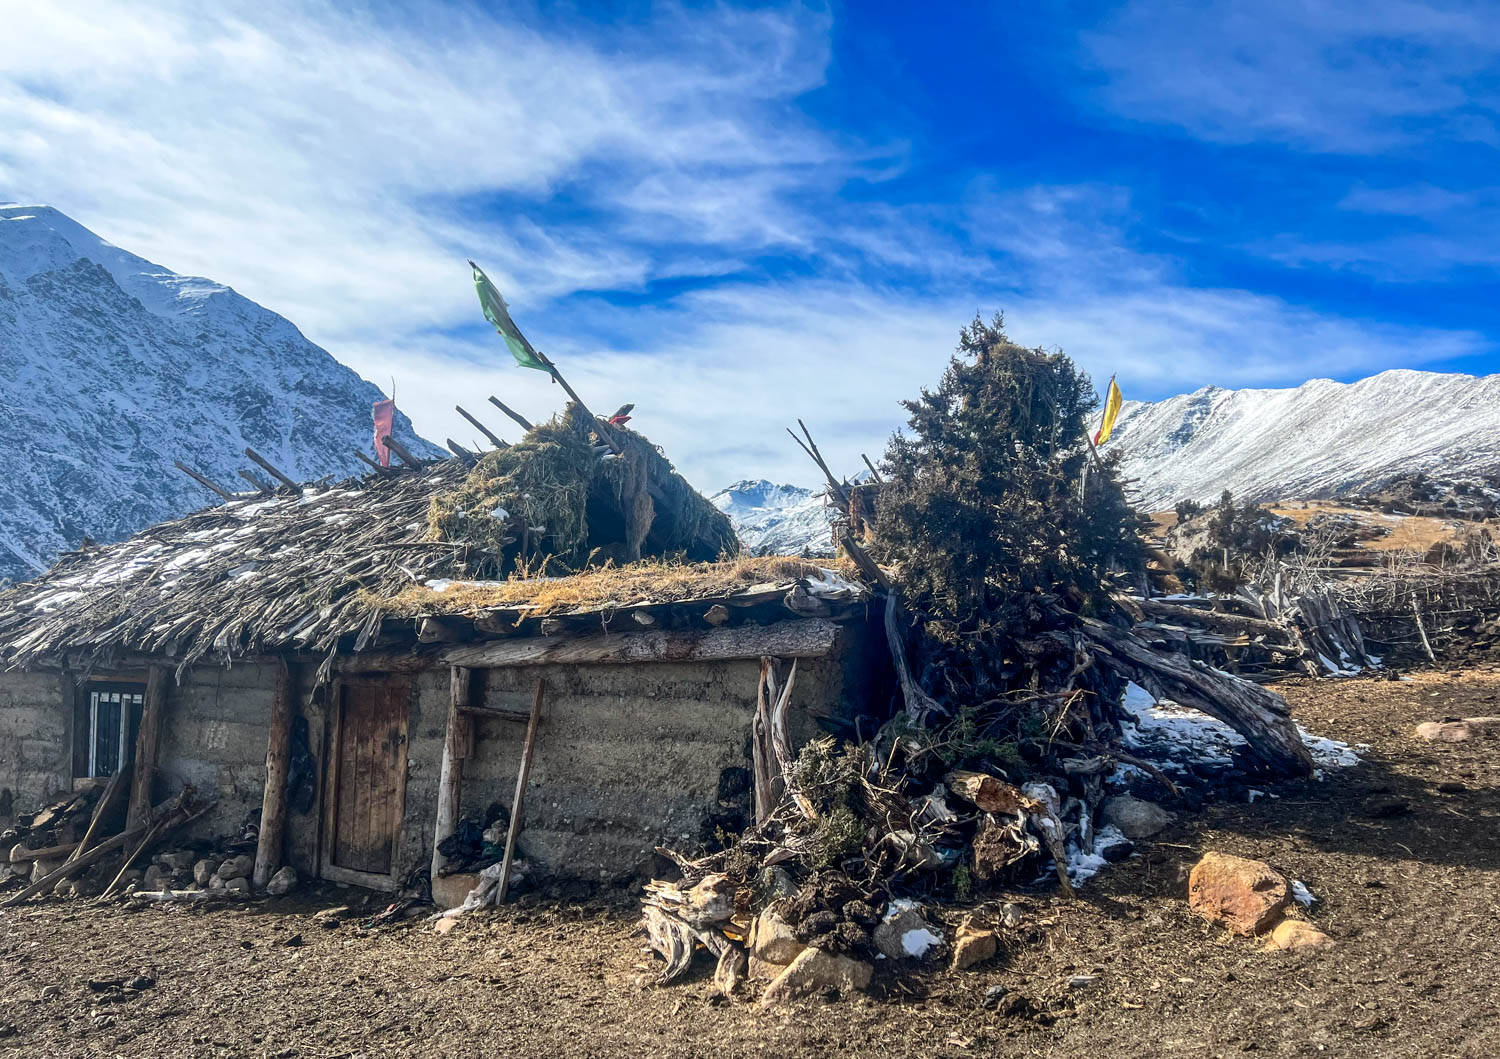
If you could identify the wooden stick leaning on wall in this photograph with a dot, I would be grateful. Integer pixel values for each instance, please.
(268, 846)
(117, 783)
(457, 742)
(147, 744)
(518, 802)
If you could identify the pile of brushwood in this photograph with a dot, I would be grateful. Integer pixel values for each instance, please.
(998, 541)
(562, 499)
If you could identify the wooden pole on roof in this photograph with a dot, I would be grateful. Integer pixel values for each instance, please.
(260, 485)
(401, 451)
(147, 743)
(457, 742)
(459, 451)
(520, 420)
(266, 466)
(835, 486)
(518, 802)
(268, 847)
(873, 472)
(203, 480)
(600, 427)
(374, 466)
(477, 425)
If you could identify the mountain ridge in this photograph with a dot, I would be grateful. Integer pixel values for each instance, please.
(112, 367)
(1318, 440)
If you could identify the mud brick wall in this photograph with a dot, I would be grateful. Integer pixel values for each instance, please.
(36, 754)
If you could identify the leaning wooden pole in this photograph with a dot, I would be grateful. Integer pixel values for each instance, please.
(203, 480)
(266, 465)
(268, 846)
(490, 435)
(147, 743)
(451, 775)
(520, 420)
(600, 426)
(518, 802)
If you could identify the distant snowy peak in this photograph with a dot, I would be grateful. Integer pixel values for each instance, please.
(777, 519)
(112, 368)
(1320, 439)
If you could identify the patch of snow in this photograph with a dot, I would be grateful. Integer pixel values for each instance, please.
(1301, 894)
(916, 943)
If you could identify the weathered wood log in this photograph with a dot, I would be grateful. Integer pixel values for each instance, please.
(374, 465)
(268, 846)
(1232, 623)
(1260, 715)
(805, 638)
(147, 744)
(176, 809)
(519, 801)
(918, 702)
(20, 854)
(260, 485)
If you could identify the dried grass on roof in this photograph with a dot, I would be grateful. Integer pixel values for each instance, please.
(648, 581)
(550, 498)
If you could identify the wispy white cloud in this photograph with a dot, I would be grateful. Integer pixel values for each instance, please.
(1337, 75)
(338, 168)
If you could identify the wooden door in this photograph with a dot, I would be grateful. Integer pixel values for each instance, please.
(369, 778)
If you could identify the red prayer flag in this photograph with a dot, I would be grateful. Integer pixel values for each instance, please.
(384, 414)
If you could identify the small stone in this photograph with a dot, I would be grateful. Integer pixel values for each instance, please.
(203, 871)
(63, 888)
(141, 982)
(1244, 895)
(1452, 787)
(1082, 981)
(993, 995)
(773, 944)
(906, 936)
(238, 867)
(151, 879)
(48, 992)
(283, 882)
(1458, 731)
(1136, 818)
(816, 971)
(1384, 806)
(293, 942)
(1010, 915)
(1297, 934)
(445, 925)
(238, 885)
(177, 860)
(972, 945)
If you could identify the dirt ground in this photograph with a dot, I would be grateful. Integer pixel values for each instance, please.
(1402, 852)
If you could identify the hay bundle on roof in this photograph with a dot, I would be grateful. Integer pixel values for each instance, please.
(551, 501)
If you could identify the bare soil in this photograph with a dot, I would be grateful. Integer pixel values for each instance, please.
(1402, 852)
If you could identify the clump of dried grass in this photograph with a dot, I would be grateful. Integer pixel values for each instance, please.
(647, 581)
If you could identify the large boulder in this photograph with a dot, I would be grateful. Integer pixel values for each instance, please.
(1135, 818)
(283, 882)
(817, 971)
(1246, 896)
(238, 867)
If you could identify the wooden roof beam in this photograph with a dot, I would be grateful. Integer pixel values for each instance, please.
(203, 480)
(267, 466)
(508, 410)
(401, 451)
(477, 425)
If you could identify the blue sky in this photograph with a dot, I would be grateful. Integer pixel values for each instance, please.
(737, 216)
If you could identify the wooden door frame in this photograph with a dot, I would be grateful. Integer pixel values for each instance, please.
(332, 759)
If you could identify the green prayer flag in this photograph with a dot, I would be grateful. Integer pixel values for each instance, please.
(498, 313)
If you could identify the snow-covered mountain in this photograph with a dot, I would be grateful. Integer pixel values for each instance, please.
(777, 519)
(1319, 439)
(112, 367)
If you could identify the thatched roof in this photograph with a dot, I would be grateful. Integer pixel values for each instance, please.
(314, 570)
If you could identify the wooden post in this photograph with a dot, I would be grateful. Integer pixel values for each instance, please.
(1421, 629)
(401, 451)
(517, 802)
(273, 802)
(456, 747)
(494, 439)
(202, 480)
(373, 465)
(520, 420)
(147, 743)
(267, 466)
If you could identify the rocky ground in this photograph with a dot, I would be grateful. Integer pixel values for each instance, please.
(1402, 853)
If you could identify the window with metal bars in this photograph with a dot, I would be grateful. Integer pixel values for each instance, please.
(106, 719)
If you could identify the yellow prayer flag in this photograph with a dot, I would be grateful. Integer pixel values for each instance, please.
(1112, 402)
